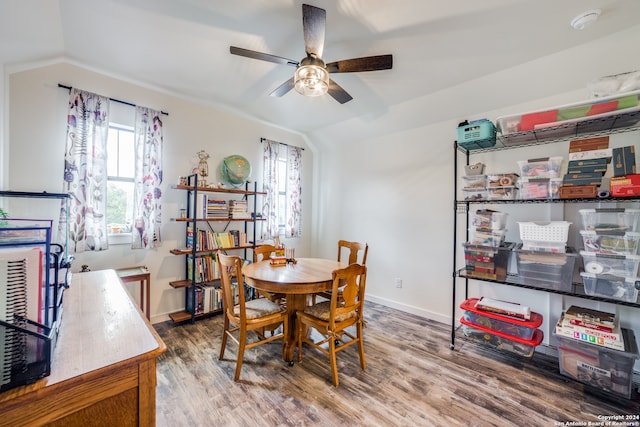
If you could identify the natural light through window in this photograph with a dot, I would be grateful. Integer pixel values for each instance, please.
(120, 171)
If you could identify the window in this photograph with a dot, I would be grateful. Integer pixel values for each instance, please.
(282, 189)
(282, 183)
(120, 178)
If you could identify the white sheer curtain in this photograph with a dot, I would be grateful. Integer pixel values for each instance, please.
(147, 195)
(294, 192)
(85, 171)
(270, 157)
(292, 203)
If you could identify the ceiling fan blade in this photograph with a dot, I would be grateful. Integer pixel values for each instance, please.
(338, 93)
(283, 88)
(368, 63)
(313, 25)
(261, 56)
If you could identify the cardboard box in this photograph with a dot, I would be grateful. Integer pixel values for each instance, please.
(599, 161)
(592, 154)
(625, 186)
(589, 144)
(582, 179)
(578, 191)
(624, 161)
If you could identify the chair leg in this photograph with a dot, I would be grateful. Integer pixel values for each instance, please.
(300, 331)
(242, 341)
(224, 337)
(363, 363)
(334, 362)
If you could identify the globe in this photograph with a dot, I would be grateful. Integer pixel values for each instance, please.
(235, 170)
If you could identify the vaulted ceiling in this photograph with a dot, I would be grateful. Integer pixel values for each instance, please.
(182, 46)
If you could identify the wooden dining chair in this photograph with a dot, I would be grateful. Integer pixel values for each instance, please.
(242, 316)
(332, 318)
(357, 253)
(261, 253)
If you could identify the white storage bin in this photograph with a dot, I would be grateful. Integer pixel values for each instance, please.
(549, 231)
(623, 243)
(610, 219)
(607, 286)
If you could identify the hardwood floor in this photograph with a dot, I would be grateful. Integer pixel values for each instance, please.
(412, 379)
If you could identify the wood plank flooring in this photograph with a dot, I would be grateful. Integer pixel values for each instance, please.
(412, 379)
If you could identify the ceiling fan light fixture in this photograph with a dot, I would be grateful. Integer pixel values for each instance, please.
(311, 80)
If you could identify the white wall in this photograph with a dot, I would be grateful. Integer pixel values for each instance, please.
(37, 122)
(394, 189)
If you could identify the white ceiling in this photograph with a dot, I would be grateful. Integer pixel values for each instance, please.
(182, 46)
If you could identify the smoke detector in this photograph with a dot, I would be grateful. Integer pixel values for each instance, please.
(585, 19)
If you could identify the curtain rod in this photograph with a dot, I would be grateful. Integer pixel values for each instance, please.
(288, 145)
(112, 99)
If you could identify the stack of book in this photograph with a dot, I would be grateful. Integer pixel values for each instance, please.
(217, 208)
(588, 162)
(278, 260)
(238, 209)
(592, 326)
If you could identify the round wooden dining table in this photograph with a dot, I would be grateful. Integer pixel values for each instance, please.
(297, 280)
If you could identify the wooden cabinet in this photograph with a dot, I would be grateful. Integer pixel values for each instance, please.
(104, 365)
(200, 221)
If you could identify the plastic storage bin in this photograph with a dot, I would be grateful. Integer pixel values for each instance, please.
(539, 188)
(489, 219)
(475, 194)
(502, 179)
(534, 245)
(518, 328)
(615, 265)
(620, 243)
(503, 341)
(474, 181)
(603, 369)
(486, 262)
(546, 270)
(477, 134)
(480, 236)
(544, 231)
(502, 193)
(614, 287)
(610, 219)
(547, 167)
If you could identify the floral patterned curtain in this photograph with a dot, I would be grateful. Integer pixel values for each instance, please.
(147, 195)
(85, 171)
(294, 192)
(270, 186)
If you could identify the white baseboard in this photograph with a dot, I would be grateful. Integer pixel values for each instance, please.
(410, 309)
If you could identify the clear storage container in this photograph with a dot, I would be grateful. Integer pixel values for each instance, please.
(501, 341)
(547, 167)
(608, 286)
(486, 237)
(489, 219)
(603, 369)
(620, 243)
(502, 179)
(615, 265)
(546, 270)
(518, 328)
(502, 193)
(486, 262)
(610, 219)
(475, 194)
(539, 188)
(474, 181)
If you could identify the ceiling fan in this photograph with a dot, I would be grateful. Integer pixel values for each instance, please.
(311, 77)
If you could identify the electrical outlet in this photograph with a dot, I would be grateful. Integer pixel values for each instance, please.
(398, 282)
(461, 209)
